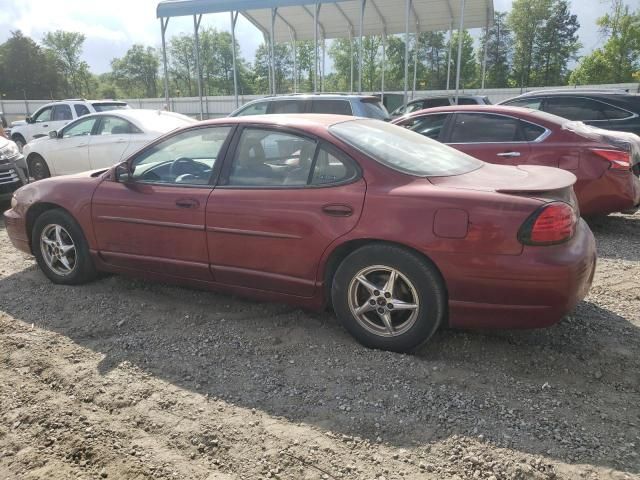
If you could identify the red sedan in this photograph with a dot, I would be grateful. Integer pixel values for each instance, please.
(606, 163)
(399, 233)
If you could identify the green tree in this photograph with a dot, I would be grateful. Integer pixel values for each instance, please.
(499, 43)
(26, 70)
(182, 66)
(556, 45)
(468, 63)
(66, 47)
(136, 73)
(432, 55)
(283, 64)
(618, 60)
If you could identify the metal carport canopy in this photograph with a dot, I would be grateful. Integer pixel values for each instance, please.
(339, 18)
(293, 20)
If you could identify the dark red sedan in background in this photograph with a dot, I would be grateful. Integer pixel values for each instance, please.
(606, 163)
(401, 234)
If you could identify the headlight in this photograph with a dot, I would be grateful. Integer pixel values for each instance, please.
(14, 202)
(11, 150)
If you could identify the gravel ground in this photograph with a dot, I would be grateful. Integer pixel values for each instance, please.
(125, 379)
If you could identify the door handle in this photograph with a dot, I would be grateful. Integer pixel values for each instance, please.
(508, 154)
(187, 203)
(83, 145)
(338, 210)
(45, 125)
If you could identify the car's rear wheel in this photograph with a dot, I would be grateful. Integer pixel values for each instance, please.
(388, 297)
(38, 168)
(61, 250)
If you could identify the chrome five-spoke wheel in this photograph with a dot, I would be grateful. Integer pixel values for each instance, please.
(383, 300)
(58, 249)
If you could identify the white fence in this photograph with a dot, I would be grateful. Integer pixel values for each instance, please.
(222, 106)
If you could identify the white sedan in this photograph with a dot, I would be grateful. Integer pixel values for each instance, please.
(97, 141)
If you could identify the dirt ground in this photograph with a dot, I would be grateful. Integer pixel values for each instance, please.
(123, 379)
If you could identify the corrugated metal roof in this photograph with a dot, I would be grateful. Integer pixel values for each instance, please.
(338, 17)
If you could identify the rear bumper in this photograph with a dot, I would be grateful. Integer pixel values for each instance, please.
(615, 191)
(17, 230)
(534, 289)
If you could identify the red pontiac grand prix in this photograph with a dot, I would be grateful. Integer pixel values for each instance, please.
(399, 233)
(606, 163)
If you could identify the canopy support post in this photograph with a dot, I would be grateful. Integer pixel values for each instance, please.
(316, 10)
(407, 6)
(384, 64)
(196, 28)
(234, 19)
(460, 34)
(274, 86)
(163, 30)
(449, 55)
(351, 60)
(484, 56)
(294, 51)
(415, 62)
(363, 4)
(322, 75)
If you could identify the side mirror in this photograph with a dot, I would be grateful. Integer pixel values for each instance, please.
(53, 134)
(123, 173)
(28, 119)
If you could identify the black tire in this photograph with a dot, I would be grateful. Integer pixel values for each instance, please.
(19, 141)
(38, 168)
(420, 277)
(83, 270)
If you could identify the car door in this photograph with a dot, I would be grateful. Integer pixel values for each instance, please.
(493, 138)
(69, 152)
(110, 141)
(40, 124)
(154, 220)
(283, 198)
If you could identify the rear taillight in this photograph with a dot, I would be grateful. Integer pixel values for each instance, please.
(552, 223)
(618, 159)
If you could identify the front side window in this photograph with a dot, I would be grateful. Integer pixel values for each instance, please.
(335, 107)
(268, 158)
(259, 108)
(43, 115)
(116, 126)
(62, 112)
(404, 150)
(575, 108)
(428, 125)
(187, 158)
(484, 128)
(533, 103)
(79, 129)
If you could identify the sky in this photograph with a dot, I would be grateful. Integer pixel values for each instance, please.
(112, 26)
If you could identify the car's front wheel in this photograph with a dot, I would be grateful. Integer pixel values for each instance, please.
(38, 168)
(61, 250)
(388, 297)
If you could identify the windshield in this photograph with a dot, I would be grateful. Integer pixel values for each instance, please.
(404, 150)
(105, 107)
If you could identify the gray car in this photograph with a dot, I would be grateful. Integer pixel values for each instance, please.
(13, 169)
(439, 101)
(337, 104)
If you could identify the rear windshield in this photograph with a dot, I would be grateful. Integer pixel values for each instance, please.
(404, 150)
(106, 106)
(373, 108)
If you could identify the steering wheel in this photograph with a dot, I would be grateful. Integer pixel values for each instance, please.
(184, 165)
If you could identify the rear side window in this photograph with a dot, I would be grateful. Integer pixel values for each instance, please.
(259, 108)
(331, 167)
(429, 125)
(336, 107)
(614, 113)
(62, 112)
(437, 102)
(116, 126)
(530, 131)
(286, 106)
(81, 109)
(374, 109)
(575, 108)
(484, 128)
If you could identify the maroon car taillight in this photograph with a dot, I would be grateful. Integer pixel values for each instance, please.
(552, 223)
(618, 159)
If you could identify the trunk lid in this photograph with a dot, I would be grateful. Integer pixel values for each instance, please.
(545, 183)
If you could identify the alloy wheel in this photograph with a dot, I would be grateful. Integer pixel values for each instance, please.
(58, 249)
